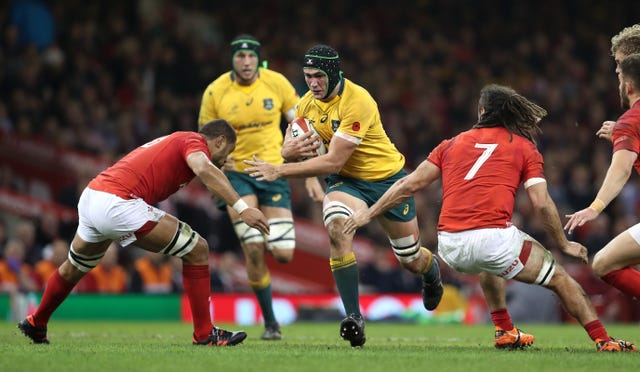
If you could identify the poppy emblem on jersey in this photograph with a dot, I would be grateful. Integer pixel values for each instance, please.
(355, 126)
(276, 197)
(267, 103)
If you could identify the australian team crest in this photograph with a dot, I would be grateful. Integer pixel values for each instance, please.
(267, 103)
(335, 124)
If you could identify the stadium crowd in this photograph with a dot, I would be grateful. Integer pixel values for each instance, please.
(105, 77)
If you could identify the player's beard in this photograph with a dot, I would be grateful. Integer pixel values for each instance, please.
(624, 99)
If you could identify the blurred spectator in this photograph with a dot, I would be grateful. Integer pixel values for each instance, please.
(227, 274)
(34, 21)
(382, 274)
(152, 274)
(25, 231)
(109, 275)
(54, 255)
(4, 237)
(16, 278)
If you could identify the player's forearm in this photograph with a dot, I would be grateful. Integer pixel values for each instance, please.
(309, 168)
(217, 183)
(398, 193)
(613, 183)
(552, 223)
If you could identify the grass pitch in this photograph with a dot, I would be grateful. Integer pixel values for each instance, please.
(166, 346)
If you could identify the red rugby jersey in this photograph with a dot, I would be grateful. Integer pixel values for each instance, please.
(153, 171)
(481, 172)
(626, 133)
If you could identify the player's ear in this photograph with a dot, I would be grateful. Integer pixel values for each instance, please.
(220, 141)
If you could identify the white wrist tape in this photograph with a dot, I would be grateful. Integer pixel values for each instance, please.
(240, 206)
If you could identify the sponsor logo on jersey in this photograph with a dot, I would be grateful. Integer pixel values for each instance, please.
(510, 268)
(405, 210)
(276, 197)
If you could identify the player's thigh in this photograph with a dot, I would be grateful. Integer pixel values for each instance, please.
(399, 229)
(538, 264)
(337, 206)
(173, 237)
(622, 251)
(160, 236)
(276, 212)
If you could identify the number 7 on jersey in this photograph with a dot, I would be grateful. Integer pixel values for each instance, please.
(488, 150)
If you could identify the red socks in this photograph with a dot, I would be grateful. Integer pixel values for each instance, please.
(55, 293)
(197, 286)
(596, 330)
(502, 319)
(626, 280)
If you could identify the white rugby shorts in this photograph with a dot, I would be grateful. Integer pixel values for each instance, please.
(491, 250)
(106, 216)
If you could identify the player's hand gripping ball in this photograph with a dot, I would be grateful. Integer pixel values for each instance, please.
(299, 126)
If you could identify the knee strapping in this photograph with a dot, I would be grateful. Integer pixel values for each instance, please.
(281, 234)
(335, 209)
(183, 241)
(246, 233)
(547, 270)
(82, 262)
(406, 249)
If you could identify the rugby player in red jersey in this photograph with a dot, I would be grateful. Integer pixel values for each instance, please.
(615, 262)
(117, 205)
(481, 170)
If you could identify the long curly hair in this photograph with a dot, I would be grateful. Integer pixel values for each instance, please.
(504, 107)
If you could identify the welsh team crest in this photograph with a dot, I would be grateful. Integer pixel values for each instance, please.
(267, 103)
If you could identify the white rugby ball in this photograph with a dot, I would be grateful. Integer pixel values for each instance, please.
(299, 126)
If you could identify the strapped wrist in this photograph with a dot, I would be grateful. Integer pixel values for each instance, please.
(597, 205)
(240, 206)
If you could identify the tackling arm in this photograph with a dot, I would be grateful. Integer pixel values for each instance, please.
(218, 184)
(617, 175)
(401, 190)
(544, 205)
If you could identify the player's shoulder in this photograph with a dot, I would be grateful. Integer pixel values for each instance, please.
(221, 82)
(630, 117)
(265, 73)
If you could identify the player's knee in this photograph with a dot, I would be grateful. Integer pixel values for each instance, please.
(199, 254)
(407, 251)
(337, 237)
(548, 270)
(247, 234)
(282, 238)
(599, 266)
(254, 253)
(282, 255)
(83, 262)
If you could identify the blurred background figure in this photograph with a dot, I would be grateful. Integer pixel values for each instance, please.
(54, 255)
(109, 275)
(16, 278)
(152, 274)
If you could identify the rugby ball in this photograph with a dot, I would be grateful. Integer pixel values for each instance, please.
(300, 126)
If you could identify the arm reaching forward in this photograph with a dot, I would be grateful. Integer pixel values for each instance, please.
(400, 191)
(218, 184)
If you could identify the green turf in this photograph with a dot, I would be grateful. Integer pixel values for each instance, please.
(154, 346)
